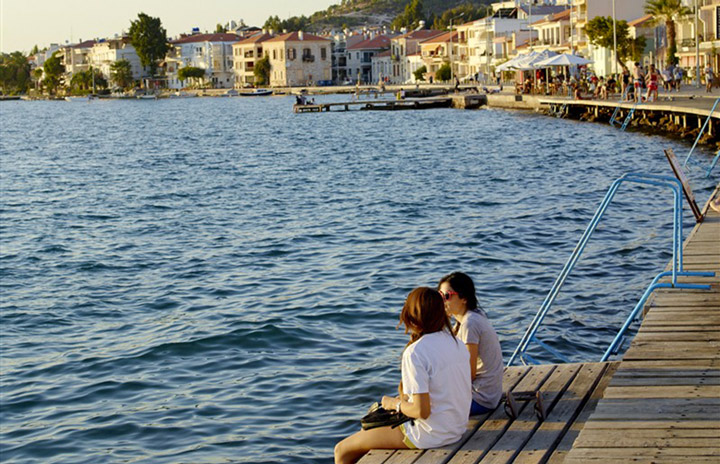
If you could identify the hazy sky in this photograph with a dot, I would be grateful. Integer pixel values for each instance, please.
(24, 23)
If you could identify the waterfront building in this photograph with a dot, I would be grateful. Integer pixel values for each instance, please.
(76, 58)
(708, 34)
(246, 54)
(437, 51)
(298, 58)
(553, 33)
(359, 58)
(105, 52)
(382, 65)
(404, 46)
(654, 34)
(211, 52)
(338, 62)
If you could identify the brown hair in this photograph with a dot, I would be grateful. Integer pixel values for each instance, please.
(424, 313)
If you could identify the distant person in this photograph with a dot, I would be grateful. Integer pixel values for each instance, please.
(435, 388)
(709, 76)
(638, 79)
(678, 77)
(652, 84)
(475, 330)
(625, 80)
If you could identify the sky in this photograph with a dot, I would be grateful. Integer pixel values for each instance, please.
(25, 23)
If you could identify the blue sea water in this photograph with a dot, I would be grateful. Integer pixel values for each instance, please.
(219, 280)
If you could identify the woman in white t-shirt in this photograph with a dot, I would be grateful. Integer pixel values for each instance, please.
(435, 385)
(475, 330)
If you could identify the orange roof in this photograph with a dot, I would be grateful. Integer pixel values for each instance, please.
(220, 37)
(640, 21)
(422, 34)
(295, 37)
(442, 38)
(255, 39)
(562, 16)
(381, 41)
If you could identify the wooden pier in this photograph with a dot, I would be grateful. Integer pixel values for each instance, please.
(660, 403)
(463, 101)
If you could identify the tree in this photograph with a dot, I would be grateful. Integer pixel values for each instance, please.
(83, 81)
(219, 29)
(262, 71)
(600, 32)
(411, 17)
(444, 73)
(419, 73)
(667, 11)
(191, 73)
(149, 39)
(54, 70)
(15, 76)
(121, 74)
(468, 11)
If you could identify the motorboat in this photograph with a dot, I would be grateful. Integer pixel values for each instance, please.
(84, 98)
(256, 93)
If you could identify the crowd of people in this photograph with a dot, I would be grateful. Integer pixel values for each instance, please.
(448, 372)
(640, 84)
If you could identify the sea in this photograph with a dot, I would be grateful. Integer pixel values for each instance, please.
(217, 280)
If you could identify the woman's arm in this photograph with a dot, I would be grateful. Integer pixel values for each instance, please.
(418, 409)
(473, 349)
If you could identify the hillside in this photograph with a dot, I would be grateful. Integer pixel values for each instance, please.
(352, 13)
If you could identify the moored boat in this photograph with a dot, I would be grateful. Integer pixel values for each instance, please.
(256, 93)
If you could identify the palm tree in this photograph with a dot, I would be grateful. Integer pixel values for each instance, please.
(667, 11)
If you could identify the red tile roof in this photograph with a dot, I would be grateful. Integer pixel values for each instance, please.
(422, 34)
(562, 16)
(381, 41)
(220, 37)
(385, 53)
(86, 44)
(257, 38)
(640, 21)
(295, 37)
(442, 38)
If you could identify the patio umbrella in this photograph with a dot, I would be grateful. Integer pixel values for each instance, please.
(565, 59)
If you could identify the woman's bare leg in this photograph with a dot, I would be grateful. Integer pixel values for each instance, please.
(355, 446)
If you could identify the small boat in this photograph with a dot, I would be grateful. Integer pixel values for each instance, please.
(256, 93)
(147, 97)
(230, 93)
(85, 98)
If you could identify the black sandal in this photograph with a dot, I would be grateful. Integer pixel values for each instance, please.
(378, 416)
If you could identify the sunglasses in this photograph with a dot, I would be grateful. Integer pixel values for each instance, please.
(446, 295)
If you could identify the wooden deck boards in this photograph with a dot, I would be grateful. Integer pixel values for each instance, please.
(663, 403)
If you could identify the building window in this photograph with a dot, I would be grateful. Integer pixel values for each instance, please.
(274, 54)
(291, 54)
(323, 53)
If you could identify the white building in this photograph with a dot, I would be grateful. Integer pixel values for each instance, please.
(360, 55)
(211, 52)
(246, 54)
(404, 46)
(105, 52)
(76, 58)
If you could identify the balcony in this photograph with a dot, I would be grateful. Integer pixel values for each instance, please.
(308, 58)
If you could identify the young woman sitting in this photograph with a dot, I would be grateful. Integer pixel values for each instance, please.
(435, 388)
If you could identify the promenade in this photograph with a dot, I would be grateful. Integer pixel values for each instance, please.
(659, 404)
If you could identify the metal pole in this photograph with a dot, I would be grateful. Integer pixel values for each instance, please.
(697, 47)
(614, 39)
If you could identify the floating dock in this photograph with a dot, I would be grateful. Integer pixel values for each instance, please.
(659, 404)
(464, 101)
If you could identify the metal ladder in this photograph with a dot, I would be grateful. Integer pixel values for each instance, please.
(617, 108)
(677, 268)
(629, 117)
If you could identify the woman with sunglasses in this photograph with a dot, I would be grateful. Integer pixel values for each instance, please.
(475, 330)
(435, 385)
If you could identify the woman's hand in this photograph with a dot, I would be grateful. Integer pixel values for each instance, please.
(390, 403)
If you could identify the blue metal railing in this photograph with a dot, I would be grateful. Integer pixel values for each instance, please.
(697, 139)
(712, 165)
(617, 108)
(677, 266)
(629, 117)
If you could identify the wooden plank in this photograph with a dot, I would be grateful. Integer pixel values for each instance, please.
(649, 426)
(612, 453)
(566, 443)
(563, 414)
(648, 336)
(494, 427)
(671, 328)
(670, 364)
(523, 427)
(664, 391)
(511, 377)
(657, 408)
(376, 456)
(406, 457)
(637, 373)
(669, 352)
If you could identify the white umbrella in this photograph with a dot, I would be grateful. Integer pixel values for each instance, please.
(565, 59)
(509, 65)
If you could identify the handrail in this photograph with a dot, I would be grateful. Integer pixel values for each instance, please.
(697, 139)
(617, 108)
(712, 164)
(677, 262)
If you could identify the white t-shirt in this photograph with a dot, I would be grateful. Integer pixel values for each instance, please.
(487, 386)
(438, 364)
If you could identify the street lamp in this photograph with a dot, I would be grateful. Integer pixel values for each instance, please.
(451, 42)
(614, 40)
(697, 48)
